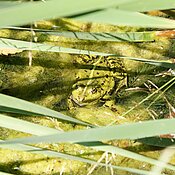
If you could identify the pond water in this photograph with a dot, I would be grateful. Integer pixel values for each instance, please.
(94, 89)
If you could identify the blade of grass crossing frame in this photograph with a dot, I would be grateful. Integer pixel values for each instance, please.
(126, 18)
(148, 128)
(25, 126)
(7, 4)
(31, 128)
(15, 105)
(24, 45)
(19, 14)
(101, 36)
(146, 5)
(115, 37)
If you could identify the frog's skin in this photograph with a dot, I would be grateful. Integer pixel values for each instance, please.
(98, 78)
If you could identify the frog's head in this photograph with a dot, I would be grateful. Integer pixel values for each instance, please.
(86, 94)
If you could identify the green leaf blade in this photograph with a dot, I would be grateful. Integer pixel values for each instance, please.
(16, 105)
(146, 5)
(126, 18)
(148, 128)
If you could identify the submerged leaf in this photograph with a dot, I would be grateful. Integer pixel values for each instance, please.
(100, 36)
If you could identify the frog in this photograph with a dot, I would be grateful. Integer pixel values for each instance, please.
(98, 79)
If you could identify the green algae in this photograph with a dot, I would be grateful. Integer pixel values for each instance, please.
(50, 82)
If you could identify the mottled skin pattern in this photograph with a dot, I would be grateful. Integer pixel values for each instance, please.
(98, 79)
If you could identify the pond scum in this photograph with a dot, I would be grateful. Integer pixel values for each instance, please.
(94, 89)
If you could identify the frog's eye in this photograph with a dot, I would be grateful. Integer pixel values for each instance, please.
(94, 90)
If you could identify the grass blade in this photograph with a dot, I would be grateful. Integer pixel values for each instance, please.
(102, 36)
(7, 4)
(166, 155)
(54, 8)
(161, 63)
(31, 128)
(148, 128)
(116, 150)
(15, 105)
(49, 9)
(127, 18)
(24, 45)
(117, 37)
(25, 126)
(145, 5)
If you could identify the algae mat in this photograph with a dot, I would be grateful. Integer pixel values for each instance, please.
(97, 90)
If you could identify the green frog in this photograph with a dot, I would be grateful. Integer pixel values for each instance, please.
(98, 79)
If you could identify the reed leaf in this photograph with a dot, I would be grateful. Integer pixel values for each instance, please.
(15, 105)
(100, 36)
(84, 10)
(116, 37)
(33, 11)
(24, 45)
(25, 126)
(127, 18)
(35, 129)
(7, 4)
(117, 132)
(146, 5)
(161, 63)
